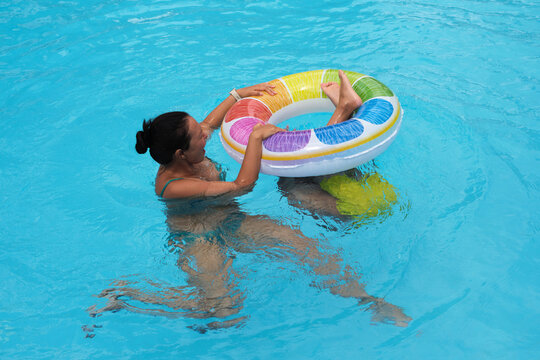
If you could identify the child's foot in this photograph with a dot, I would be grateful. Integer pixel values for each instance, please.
(331, 89)
(348, 98)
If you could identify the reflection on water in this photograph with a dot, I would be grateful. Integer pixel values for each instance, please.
(206, 235)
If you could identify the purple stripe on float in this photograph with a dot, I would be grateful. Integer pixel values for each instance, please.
(242, 128)
(287, 141)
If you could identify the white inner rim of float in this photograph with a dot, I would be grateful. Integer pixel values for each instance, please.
(303, 107)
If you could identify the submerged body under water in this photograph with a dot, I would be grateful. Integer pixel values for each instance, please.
(206, 234)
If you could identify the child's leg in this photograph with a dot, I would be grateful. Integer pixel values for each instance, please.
(347, 99)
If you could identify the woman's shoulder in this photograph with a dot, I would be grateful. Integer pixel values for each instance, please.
(205, 180)
(164, 178)
(175, 185)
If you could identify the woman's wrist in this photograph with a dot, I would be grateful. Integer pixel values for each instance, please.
(242, 92)
(235, 94)
(256, 135)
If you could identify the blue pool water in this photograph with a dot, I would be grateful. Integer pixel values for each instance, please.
(458, 252)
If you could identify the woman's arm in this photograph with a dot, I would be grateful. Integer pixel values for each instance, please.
(215, 118)
(248, 174)
(251, 165)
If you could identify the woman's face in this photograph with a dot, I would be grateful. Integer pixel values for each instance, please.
(195, 153)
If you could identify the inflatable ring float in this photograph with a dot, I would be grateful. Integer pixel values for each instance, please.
(322, 151)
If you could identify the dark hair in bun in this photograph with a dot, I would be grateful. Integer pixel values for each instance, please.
(163, 136)
(143, 137)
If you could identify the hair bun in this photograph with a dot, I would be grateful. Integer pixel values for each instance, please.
(141, 146)
(143, 137)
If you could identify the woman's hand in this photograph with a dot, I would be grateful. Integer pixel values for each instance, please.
(265, 131)
(257, 90)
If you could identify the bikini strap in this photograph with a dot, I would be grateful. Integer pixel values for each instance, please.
(168, 182)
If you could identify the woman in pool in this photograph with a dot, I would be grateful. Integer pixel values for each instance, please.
(177, 141)
(205, 228)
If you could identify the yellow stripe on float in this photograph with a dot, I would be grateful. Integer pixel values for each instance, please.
(304, 85)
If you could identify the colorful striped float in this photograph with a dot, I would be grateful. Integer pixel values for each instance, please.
(321, 151)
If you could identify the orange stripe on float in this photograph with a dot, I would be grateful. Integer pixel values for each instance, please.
(278, 101)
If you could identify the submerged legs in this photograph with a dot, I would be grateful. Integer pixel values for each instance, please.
(212, 289)
(323, 261)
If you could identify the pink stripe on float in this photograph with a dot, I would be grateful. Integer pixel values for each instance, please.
(241, 129)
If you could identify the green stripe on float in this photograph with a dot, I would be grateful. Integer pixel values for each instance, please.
(368, 88)
(332, 75)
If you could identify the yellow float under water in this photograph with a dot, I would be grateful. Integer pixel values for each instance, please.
(368, 197)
